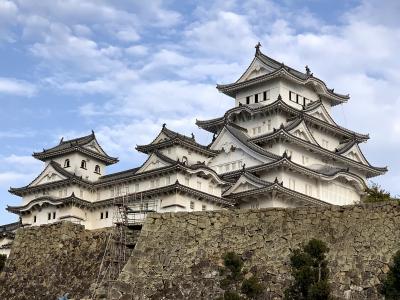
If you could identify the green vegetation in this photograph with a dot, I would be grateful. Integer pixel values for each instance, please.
(3, 259)
(234, 278)
(391, 285)
(376, 194)
(310, 272)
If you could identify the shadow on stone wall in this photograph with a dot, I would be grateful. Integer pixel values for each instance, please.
(50, 260)
(178, 255)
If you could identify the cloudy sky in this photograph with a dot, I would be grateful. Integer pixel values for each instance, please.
(122, 68)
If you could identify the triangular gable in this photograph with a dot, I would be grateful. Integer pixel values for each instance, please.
(355, 153)
(160, 138)
(321, 113)
(257, 68)
(301, 131)
(231, 146)
(49, 174)
(244, 183)
(95, 147)
(152, 163)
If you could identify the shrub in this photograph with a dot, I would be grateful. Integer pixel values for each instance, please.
(310, 272)
(3, 259)
(391, 285)
(229, 295)
(233, 280)
(234, 263)
(251, 287)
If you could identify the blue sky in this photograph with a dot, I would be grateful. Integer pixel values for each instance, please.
(122, 68)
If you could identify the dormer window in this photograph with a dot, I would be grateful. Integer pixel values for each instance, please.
(97, 169)
(66, 163)
(83, 164)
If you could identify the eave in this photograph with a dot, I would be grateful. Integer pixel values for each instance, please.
(283, 134)
(48, 154)
(214, 125)
(281, 189)
(175, 141)
(282, 72)
(287, 163)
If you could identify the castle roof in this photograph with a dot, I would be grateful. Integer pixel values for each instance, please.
(68, 178)
(167, 138)
(215, 125)
(132, 197)
(273, 69)
(283, 133)
(87, 145)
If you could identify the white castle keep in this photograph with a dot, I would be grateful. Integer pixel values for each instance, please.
(278, 147)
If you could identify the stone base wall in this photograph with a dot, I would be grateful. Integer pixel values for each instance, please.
(178, 254)
(50, 260)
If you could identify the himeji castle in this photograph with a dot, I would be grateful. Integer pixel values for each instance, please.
(277, 147)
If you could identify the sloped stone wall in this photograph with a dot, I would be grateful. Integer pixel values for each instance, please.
(50, 260)
(178, 255)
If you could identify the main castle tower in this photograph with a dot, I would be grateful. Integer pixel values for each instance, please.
(278, 147)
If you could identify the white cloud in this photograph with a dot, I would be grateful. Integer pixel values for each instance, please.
(137, 50)
(8, 11)
(128, 35)
(12, 86)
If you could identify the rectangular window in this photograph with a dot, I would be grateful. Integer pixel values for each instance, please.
(191, 204)
(297, 99)
(203, 207)
(211, 189)
(308, 190)
(292, 184)
(187, 181)
(107, 214)
(54, 215)
(199, 185)
(81, 193)
(137, 187)
(101, 215)
(168, 180)
(256, 98)
(34, 219)
(304, 160)
(325, 143)
(269, 125)
(248, 100)
(290, 96)
(98, 195)
(49, 216)
(265, 95)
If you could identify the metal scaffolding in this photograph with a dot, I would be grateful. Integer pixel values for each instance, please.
(129, 213)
